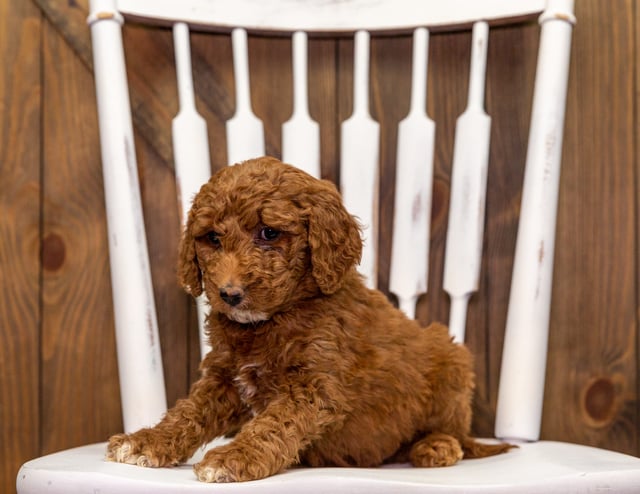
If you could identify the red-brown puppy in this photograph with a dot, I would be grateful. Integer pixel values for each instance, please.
(308, 365)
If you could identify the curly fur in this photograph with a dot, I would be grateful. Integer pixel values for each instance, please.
(308, 365)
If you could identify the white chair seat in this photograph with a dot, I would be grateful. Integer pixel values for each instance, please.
(541, 467)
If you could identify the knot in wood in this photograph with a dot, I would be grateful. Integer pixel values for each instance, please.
(600, 401)
(53, 252)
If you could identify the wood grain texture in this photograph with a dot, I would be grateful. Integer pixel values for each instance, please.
(592, 369)
(176, 321)
(390, 83)
(511, 67)
(79, 374)
(635, 394)
(60, 363)
(323, 107)
(20, 96)
(448, 81)
(69, 18)
(157, 94)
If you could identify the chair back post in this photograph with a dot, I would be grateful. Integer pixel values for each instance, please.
(522, 376)
(138, 344)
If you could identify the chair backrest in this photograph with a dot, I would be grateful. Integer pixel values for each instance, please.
(524, 354)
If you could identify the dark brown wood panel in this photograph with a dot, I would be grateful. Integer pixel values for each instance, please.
(323, 107)
(177, 323)
(80, 400)
(511, 66)
(20, 138)
(448, 79)
(270, 63)
(633, 162)
(69, 18)
(592, 368)
(389, 99)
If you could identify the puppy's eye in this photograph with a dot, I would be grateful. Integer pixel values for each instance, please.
(213, 238)
(269, 234)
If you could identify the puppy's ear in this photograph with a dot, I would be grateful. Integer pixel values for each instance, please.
(334, 239)
(189, 274)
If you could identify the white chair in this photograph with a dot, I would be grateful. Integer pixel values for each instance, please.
(537, 466)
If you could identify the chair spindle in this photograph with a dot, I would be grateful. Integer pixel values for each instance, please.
(245, 132)
(301, 134)
(190, 147)
(414, 177)
(360, 143)
(463, 256)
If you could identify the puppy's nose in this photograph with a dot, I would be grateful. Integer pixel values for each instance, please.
(232, 295)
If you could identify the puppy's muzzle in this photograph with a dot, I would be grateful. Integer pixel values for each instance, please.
(232, 295)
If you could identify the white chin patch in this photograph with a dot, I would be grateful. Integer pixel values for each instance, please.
(247, 316)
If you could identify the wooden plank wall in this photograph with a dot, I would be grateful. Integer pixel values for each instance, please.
(58, 381)
(20, 223)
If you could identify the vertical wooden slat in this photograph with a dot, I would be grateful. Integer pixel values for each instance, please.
(323, 104)
(390, 96)
(271, 89)
(214, 87)
(177, 322)
(448, 80)
(20, 189)
(592, 370)
(511, 70)
(389, 100)
(635, 14)
(78, 352)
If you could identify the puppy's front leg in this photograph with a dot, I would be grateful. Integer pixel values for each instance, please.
(212, 408)
(269, 443)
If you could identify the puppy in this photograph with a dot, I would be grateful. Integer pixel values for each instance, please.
(308, 365)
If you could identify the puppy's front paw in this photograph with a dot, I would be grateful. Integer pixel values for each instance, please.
(233, 464)
(138, 449)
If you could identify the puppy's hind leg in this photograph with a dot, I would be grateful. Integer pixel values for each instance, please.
(436, 450)
(442, 450)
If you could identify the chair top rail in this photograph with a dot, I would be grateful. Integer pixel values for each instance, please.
(326, 16)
